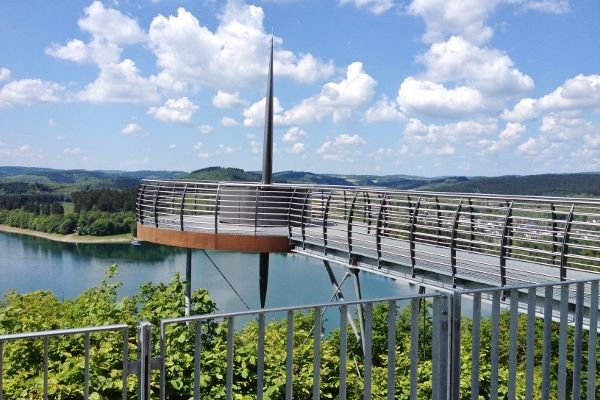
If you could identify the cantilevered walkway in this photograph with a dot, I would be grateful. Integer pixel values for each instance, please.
(441, 239)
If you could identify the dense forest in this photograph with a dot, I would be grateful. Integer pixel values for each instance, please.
(41, 310)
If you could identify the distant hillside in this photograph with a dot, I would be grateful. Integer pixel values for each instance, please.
(237, 174)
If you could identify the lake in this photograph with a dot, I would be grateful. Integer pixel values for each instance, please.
(29, 263)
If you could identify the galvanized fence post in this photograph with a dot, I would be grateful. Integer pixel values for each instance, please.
(144, 359)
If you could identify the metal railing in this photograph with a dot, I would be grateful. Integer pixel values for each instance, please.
(492, 239)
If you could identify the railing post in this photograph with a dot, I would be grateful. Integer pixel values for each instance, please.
(144, 359)
(440, 357)
(471, 226)
(181, 207)
(156, 205)
(411, 235)
(325, 218)
(554, 235)
(256, 210)
(290, 213)
(379, 229)
(349, 230)
(565, 245)
(454, 362)
(303, 219)
(140, 207)
(505, 242)
(217, 199)
(453, 242)
(438, 215)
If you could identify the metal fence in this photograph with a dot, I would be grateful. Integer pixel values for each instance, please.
(528, 341)
(491, 239)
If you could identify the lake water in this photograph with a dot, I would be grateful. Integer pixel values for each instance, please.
(29, 263)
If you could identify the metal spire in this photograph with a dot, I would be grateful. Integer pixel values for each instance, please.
(267, 169)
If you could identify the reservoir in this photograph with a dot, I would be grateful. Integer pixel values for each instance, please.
(30, 263)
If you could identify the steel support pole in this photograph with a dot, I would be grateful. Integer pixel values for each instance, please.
(337, 292)
(263, 277)
(188, 283)
(359, 309)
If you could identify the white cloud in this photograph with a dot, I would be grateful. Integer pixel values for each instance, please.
(454, 17)
(224, 150)
(234, 54)
(174, 110)
(227, 99)
(487, 70)
(530, 147)
(390, 152)
(511, 133)
(25, 148)
(255, 114)
(4, 74)
(51, 123)
(199, 147)
(297, 148)
(579, 93)
(564, 128)
(133, 129)
(73, 151)
(342, 148)
(255, 146)
(432, 98)
(119, 83)
(374, 6)
(110, 29)
(206, 129)
(228, 122)
(30, 91)
(548, 6)
(384, 110)
(293, 134)
(336, 99)
(172, 146)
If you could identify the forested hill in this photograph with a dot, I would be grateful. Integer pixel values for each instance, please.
(24, 180)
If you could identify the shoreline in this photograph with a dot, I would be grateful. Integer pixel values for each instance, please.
(72, 238)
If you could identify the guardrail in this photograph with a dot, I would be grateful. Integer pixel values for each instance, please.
(458, 234)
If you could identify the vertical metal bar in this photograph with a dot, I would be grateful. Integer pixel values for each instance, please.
(554, 233)
(565, 245)
(188, 283)
(513, 338)
(156, 205)
(260, 364)
(317, 355)
(144, 358)
(411, 235)
(391, 372)
(181, 207)
(359, 309)
(289, 360)
(414, 349)
(530, 353)
(86, 365)
(577, 346)
(455, 343)
(476, 346)
(593, 337)
(45, 383)
(369, 216)
(453, 242)
(368, 350)
(303, 219)
(443, 360)
(256, 209)
(325, 218)
(343, 349)
(494, 352)
(125, 362)
(1, 369)
(290, 213)
(349, 227)
(140, 205)
(562, 342)
(197, 353)
(217, 207)
(471, 225)
(504, 243)
(229, 373)
(163, 368)
(438, 215)
(379, 229)
(547, 356)
(435, 344)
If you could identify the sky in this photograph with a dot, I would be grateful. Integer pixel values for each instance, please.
(421, 87)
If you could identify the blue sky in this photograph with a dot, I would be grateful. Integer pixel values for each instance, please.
(423, 87)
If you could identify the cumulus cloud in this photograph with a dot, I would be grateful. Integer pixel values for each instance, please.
(206, 129)
(201, 151)
(374, 6)
(341, 148)
(120, 83)
(227, 99)
(579, 93)
(228, 122)
(255, 114)
(293, 134)
(110, 30)
(73, 151)
(234, 54)
(4, 74)
(509, 135)
(384, 110)
(174, 110)
(29, 92)
(133, 129)
(297, 148)
(222, 149)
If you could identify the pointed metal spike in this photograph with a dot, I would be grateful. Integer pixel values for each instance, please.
(267, 168)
